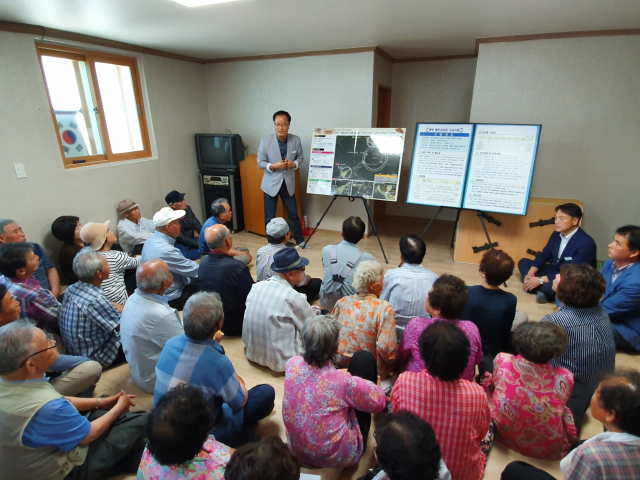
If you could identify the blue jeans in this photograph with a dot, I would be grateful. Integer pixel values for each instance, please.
(289, 202)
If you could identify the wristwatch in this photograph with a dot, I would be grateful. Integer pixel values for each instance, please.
(541, 281)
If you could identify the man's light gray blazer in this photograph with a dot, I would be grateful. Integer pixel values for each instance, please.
(269, 152)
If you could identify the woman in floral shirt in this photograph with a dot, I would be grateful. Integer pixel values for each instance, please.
(327, 412)
(446, 301)
(368, 323)
(180, 446)
(528, 397)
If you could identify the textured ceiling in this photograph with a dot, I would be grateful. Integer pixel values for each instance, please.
(403, 28)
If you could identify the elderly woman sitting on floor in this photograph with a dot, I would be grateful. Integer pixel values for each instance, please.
(368, 323)
(327, 412)
(180, 444)
(528, 397)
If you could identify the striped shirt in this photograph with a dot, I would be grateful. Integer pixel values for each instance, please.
(406, 288)
(113, 286)
(273, 320)
(88, 322)
(591, 350)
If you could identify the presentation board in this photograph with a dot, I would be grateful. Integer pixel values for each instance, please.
(356, 162)
(501, 168)
(439, 167)
(487, 167)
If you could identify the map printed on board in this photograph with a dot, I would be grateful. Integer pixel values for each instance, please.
(439, 166)
(356, 162)
(501, 168)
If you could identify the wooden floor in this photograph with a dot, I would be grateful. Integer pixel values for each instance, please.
(439, 258)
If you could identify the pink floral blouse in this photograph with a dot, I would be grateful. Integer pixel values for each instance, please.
(409, 350)
(319, 413)
(528, 402)
(208, 464)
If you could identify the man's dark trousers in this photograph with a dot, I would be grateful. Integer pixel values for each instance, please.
(524, 266)
(289, 202)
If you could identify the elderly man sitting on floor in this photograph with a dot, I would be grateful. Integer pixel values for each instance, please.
(275, 313)
(198, 359)
(89, 322)
(148, 322)
(44, 435)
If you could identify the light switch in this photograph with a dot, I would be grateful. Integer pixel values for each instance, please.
(20, 170)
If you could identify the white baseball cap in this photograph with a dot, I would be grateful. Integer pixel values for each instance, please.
(167, 215)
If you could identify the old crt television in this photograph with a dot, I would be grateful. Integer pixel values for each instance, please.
(219, 151)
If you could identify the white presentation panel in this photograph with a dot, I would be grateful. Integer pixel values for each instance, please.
(356, 162)
(501, 168)
(439, 167)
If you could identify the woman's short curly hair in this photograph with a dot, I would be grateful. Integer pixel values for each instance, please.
(449, 294)
(580, 286)
(540, 342)
(619, 392)
(268, 459)
(497, 267)
(366, 273)
(179, 425)
(445, 350)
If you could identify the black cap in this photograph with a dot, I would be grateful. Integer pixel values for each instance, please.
(173, 196)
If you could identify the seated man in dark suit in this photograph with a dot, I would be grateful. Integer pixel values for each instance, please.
(621, 299)
(568, 244)
(220, 272)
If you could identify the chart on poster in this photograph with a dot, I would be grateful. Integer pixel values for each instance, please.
(439, 167)
(356, 162)
(501, 168)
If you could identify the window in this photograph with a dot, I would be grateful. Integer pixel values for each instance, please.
(96, 104)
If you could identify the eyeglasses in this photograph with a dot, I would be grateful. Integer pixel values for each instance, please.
(300, 269)
(50, 339)
(281, 124)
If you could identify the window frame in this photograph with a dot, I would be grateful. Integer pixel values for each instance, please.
(90, 58)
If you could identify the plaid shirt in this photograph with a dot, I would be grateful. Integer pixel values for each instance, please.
(610, 455)
(35, 302)
(458, 412)
(273, 320)
(88, 322)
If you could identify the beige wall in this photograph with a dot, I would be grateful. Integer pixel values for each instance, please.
(318, 91)
(437, 91)
(584, 92)
(176, 92)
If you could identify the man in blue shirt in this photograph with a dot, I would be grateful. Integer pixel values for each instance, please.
(220, 214)
(46, 275)
(621, 299)
(162, 245)
(44, 435)
(198, 359)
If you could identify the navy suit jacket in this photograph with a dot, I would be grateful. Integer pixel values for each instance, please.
(580, 249)
(622, 301)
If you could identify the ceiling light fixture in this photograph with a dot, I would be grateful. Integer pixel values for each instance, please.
(200, 3)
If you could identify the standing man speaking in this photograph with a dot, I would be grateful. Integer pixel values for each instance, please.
(279, 155)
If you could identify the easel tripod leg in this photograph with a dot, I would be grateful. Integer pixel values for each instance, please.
(366, 206)
(319, 221)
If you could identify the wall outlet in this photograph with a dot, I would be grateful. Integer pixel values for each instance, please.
(20, 170)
